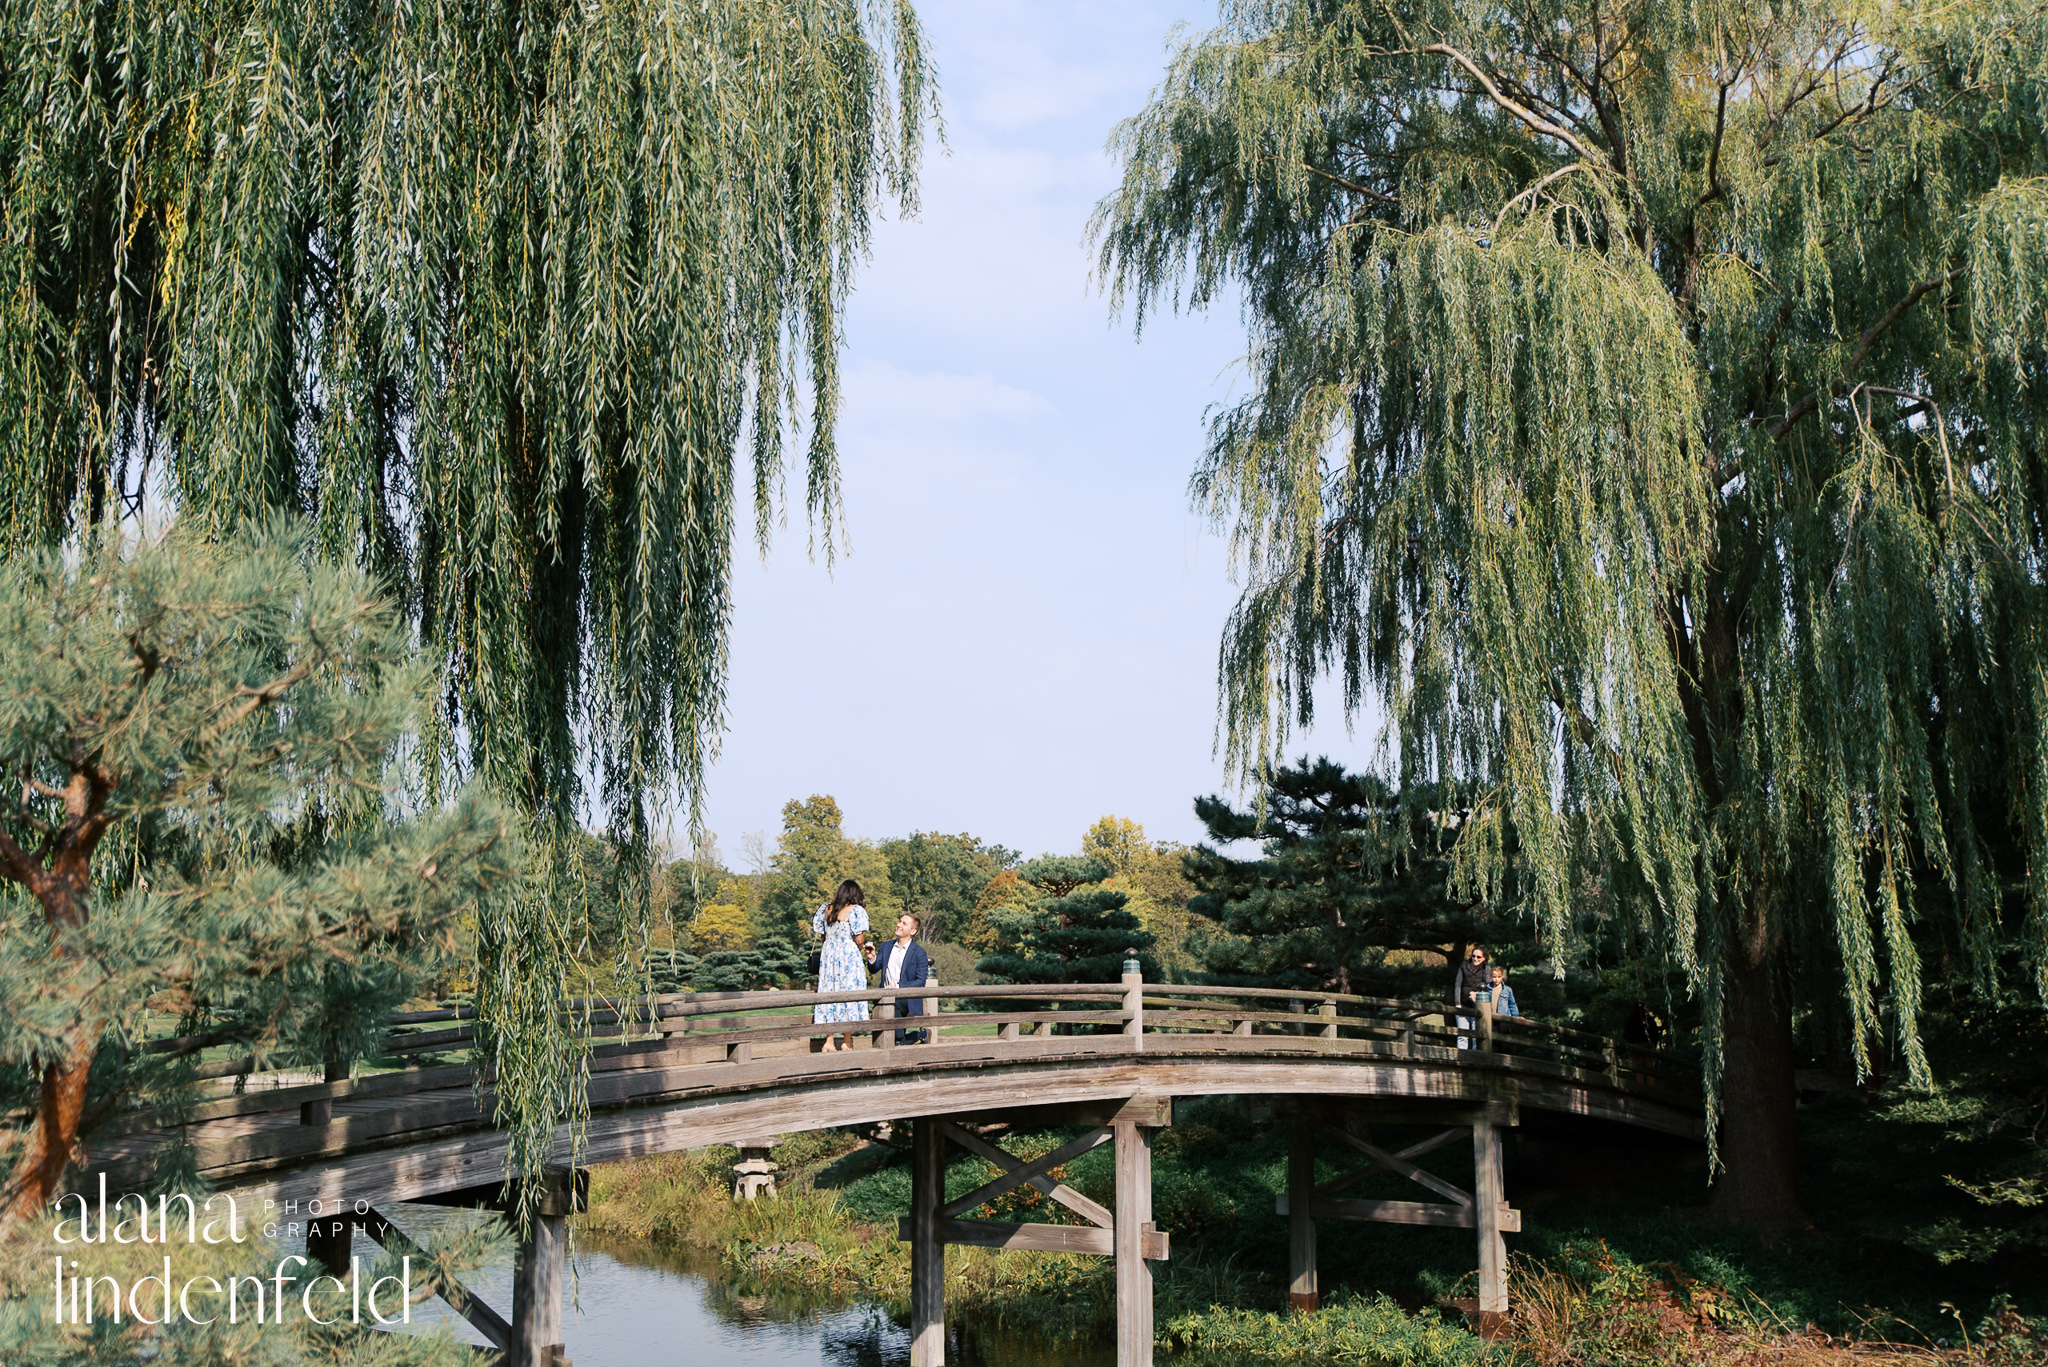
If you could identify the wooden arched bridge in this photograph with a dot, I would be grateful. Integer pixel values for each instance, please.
(683, 1071)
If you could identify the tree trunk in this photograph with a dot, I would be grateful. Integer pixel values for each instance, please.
(1758, 1188)
(59, 1110)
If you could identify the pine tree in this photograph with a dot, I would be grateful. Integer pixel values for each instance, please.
(772, 963)
(1644, 411)
(200, 745)
(1351, 871)
(1074, 934)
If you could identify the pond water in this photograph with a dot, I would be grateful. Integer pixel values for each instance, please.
(633, 1305)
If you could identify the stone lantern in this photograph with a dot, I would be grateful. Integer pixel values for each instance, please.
(755, 1172)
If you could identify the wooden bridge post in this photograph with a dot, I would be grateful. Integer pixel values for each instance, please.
(537, 1278)
(321, 1111)
(328, 1238)
(927, 1254)
(1301, 1222)
(885, 1011)
(1487, 1200)
(327, 1241)
(1133, 1223)
(1134, 1007)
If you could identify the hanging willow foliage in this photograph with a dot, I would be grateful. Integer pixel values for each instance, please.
(494, 293)
(1644, 407)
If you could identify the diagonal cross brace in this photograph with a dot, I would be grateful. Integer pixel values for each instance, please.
(1337, 1184)
(1025, 1172)
(1010, 1164)
(1398, 1162)
(467, 1303)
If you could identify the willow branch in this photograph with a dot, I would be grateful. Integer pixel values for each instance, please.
(1528, 116)
(1812, 401)
(1560, 172)
(1350, 185)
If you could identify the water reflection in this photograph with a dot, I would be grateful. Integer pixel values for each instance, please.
(638, 1306)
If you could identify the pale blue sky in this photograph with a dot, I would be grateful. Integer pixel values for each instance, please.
(1024, 636)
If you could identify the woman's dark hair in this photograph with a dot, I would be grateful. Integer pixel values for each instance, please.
(849, 895)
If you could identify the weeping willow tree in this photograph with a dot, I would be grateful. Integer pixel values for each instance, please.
(1643, 409)
(514, 301)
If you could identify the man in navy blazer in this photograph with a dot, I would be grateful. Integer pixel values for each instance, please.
(903, 963)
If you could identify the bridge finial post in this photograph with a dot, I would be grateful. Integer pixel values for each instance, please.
(1134, 999)
(927, 1254)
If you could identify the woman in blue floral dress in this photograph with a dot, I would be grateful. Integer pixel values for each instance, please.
(841, 967)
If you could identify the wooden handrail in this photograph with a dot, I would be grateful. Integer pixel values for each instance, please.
(1183, 1012)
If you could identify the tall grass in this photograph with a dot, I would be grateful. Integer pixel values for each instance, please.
(806, 1244)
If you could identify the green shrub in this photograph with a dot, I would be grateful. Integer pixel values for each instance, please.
(1367, 1331)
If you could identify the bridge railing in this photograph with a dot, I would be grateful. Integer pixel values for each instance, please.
(1125, 1014)
(681, 1029)
(662, 1045)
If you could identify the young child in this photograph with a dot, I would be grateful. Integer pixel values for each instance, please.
(1504, 1003)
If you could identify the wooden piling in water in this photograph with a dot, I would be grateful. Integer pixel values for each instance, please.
(328, 1239)
(538, 1274)
(537, 1293)
(927, 1254)
(1133, 1224)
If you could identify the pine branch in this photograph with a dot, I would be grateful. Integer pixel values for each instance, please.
(192, 1044)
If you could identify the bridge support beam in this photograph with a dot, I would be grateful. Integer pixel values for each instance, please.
(328, 1239)
(537, 1277)
(537, 1293)
(1484, 1209)
(1133, 1225)
(1301, 1215)
(1487, 1204)
(927, 1253)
